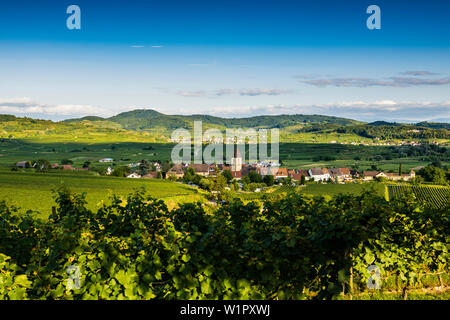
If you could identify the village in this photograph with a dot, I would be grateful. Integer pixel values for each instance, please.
(238, 169)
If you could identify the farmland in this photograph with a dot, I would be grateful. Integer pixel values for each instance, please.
(33, 191)
(435, 196)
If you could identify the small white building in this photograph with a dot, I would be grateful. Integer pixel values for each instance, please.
(104, 160)
(109, 171)
(319, 174)
(133, 175)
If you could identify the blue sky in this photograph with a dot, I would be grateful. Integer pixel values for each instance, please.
(226, 58)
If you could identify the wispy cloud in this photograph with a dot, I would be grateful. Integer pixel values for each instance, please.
(370, 82)
(191, 93)
(242, 92)
(138, 46)
(259, 92)
(419, 73)
(360, 110)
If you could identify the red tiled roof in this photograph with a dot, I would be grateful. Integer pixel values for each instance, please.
(282, 172)
(236, 174)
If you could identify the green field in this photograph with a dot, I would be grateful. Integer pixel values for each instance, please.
(33, 191)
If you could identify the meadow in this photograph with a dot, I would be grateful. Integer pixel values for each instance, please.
(33, 191)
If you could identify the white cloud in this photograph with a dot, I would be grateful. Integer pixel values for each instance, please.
(388, 110)
(368, 82)
(25, 106)
(242, 92)
(359, 110)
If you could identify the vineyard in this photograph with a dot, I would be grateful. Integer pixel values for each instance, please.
(435, 196)
(270, 193)
(296, 247)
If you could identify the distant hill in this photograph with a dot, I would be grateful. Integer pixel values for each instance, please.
(434, 125)
(383, 123)
(88, 118)
(151, 119)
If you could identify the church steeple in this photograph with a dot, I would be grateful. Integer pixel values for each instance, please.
(237, 154)
(236, 161)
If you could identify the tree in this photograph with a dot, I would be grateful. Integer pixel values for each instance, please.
(227, 174)
(189, 175)
(418, 180)
(219, 184)
(254, 177)
(400, 169)
(166, 165)
(436, 162)
(434, 175)
(86, 164)
(121, 171)
(42, 165)
(66, 161)
(100, 170)
(144, 167)
(302, 179)
(269, 180)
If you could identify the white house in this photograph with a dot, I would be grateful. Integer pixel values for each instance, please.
(321, 174)
(109, 171)
(133, 175)
(106, 160)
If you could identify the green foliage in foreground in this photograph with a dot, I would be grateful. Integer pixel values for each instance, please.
(296, 247)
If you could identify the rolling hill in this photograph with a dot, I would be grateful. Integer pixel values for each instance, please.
(150, 119)
(152, 126)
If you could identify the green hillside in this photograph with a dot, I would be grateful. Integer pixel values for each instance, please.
(150, 119)
(46, 131)
(152, 126)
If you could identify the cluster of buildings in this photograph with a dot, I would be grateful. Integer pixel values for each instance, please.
(387, 143)
(29, 164)
(239, 169)
(313, 174)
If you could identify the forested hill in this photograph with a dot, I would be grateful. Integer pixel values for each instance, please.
(150, 119)
(385, 131)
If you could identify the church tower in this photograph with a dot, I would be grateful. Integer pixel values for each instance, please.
(236, 162)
